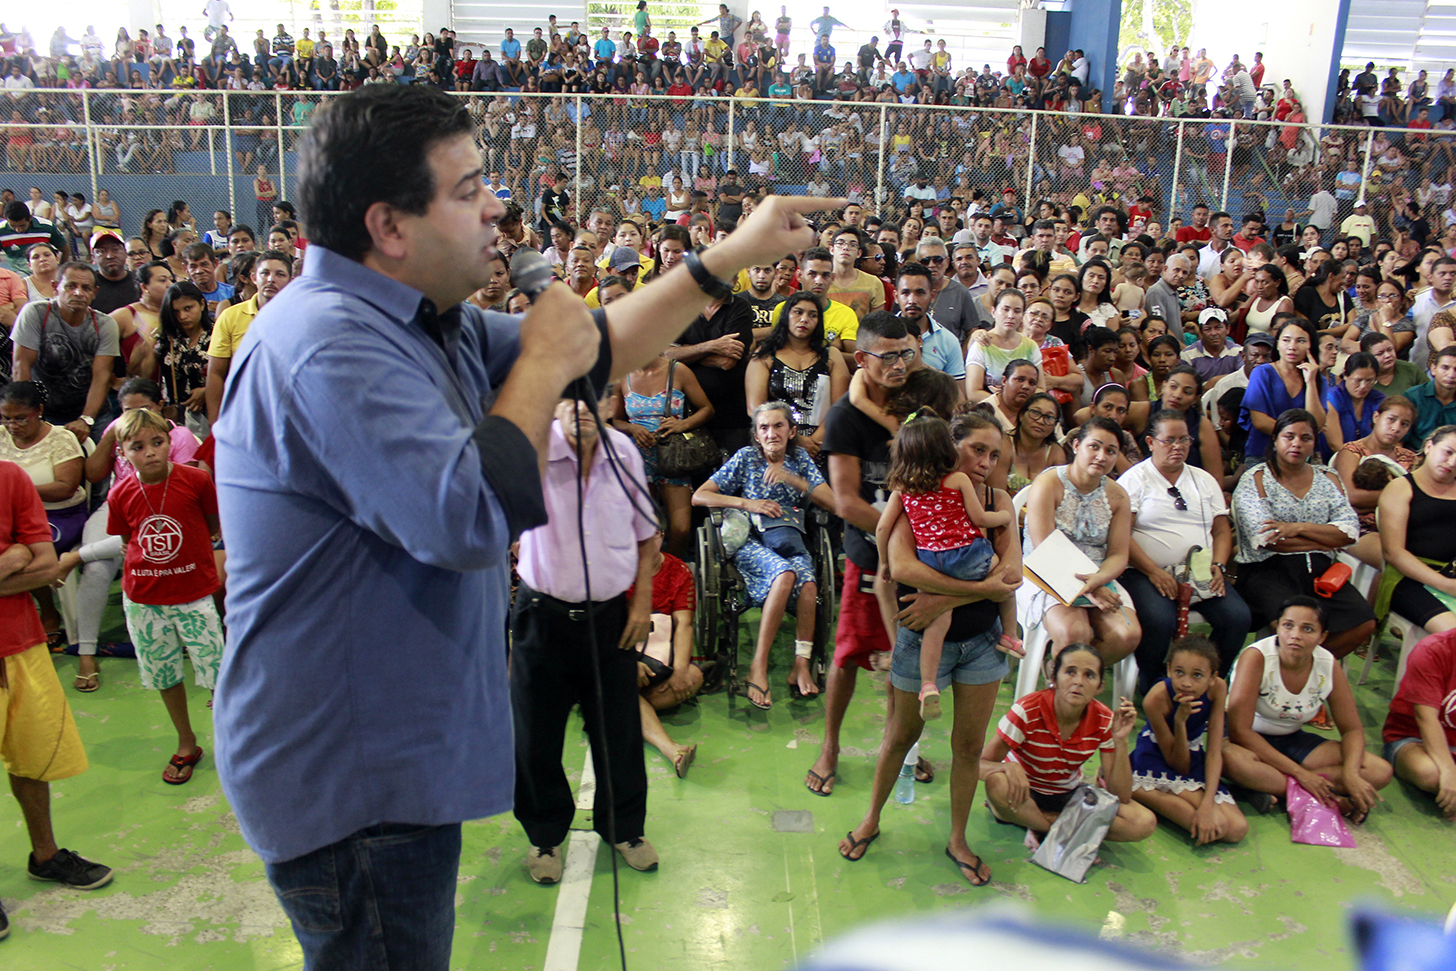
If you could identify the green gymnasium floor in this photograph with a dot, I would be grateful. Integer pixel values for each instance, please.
(750, 879)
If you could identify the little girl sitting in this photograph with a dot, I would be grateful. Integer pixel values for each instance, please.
(1179, 755)
(948, 521)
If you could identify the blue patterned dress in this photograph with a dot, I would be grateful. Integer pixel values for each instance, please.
(647, 411)
(742, 475)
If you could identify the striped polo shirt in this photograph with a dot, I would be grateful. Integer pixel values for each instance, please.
(1053, 764)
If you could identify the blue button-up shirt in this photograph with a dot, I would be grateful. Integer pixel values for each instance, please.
(368, 502)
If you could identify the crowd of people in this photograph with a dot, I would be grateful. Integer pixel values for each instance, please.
(1209, 410)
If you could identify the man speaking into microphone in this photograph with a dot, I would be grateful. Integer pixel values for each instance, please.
(379, 446)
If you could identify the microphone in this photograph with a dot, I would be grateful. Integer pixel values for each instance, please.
(530, 273)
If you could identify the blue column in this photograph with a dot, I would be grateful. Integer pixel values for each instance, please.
(1094, 28)
(1342, 20)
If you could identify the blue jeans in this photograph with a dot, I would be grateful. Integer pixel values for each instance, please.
(1227, 615)
(380, 899)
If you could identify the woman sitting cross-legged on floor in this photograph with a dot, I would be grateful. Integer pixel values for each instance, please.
(773, 481)
(1280, 684)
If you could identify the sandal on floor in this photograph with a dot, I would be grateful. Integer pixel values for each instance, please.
(684, 760)
(862, 845)
(823, 780)
(971, 871)
(87, 683)
(761, 705)
(183, 766)
(924, 771)
(56, 641)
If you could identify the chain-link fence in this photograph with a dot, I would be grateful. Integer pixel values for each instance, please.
(235, 150)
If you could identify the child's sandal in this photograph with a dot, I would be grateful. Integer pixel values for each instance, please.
(929, 702)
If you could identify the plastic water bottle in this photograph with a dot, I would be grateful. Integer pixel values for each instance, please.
(905, 784)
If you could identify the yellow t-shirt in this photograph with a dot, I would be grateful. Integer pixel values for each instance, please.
(304, 47)
(231, 325)
(713, 50)
(840, 323)
(865, 295)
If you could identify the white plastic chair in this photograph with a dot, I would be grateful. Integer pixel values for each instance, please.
(1363, 576)
(1411, 634)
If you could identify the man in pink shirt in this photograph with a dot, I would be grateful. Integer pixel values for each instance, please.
(552, 663)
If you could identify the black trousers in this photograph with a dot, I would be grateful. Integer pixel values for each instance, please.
(551, 671)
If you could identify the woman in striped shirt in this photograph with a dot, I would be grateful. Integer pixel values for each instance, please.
(1033, 765)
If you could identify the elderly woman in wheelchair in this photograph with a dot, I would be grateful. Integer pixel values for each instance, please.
(772, 482)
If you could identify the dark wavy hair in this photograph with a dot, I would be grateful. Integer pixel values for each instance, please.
(372, 145)
(30, 394)
(922, 454)
(778, 338)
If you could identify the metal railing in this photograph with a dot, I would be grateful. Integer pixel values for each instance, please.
(220, 149)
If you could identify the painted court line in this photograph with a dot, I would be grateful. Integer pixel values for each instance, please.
(563, 952)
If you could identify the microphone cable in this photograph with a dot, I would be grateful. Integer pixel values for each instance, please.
(582, 391)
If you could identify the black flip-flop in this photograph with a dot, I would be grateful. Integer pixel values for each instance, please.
(762, 706)
(971, 871)
(928, 770)
(855, 844)
(824, 780)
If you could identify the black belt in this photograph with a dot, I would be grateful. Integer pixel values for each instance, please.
(575, 611)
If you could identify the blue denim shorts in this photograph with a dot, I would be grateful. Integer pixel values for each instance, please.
(975, 661)
(971, 562)
(1389, 749)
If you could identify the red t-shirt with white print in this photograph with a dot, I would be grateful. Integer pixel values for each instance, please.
(169, 553)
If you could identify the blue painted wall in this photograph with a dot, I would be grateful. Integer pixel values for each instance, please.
(1058, 34)
(1093, 29)
(1342, 20)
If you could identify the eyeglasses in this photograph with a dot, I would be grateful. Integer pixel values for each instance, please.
(16, 419)
(932, 259)
(1179, 503)
(1388, 296)
(891, 358)
(1047, 416)
(1183, 440)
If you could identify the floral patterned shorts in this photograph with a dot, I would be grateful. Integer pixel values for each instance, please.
(162, 633)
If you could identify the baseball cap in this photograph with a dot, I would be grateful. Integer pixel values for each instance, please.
(1359, 203)
(1260, 337)
(624, 257)
(106, 232)
(1212, 313)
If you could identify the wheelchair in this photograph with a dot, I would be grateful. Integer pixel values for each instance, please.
(723, 598)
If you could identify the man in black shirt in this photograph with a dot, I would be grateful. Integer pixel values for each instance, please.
(554, 201)
(761, 299)
(859, 461)
(715, 347)
(730, 201)
(869, 56)
(115, 286)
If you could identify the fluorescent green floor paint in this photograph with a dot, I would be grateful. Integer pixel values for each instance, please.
(733, 892)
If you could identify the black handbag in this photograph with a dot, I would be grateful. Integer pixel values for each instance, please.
(680, 454)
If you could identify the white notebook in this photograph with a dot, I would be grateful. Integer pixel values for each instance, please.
(1054, 565)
